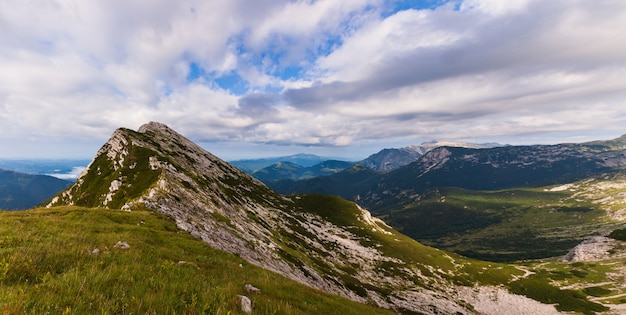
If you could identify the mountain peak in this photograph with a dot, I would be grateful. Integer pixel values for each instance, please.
(154, 126)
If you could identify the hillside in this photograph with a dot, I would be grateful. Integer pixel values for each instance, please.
(20, 191)
(325, 242)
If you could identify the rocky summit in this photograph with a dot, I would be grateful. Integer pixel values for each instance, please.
(325, 242)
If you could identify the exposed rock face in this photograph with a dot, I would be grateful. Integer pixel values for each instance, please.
(497, 301)
(391, 159)
(325, 242)
(596, 249)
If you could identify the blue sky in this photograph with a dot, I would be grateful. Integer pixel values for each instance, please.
(341, 78)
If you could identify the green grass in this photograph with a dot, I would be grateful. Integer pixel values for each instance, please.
(578, 287)
(566, 300)
(46, 267)
(619, 235)
(507, 225)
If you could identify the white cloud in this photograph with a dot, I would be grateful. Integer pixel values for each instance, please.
(73, 174)
(484, 67)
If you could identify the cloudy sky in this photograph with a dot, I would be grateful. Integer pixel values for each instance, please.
(341, 78)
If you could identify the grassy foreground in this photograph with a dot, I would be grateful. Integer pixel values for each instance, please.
(48, 264)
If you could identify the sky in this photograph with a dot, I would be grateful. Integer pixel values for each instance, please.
(248, 79)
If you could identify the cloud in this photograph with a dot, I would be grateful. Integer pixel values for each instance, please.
(489, 60)
(312, 73)
(73, 174)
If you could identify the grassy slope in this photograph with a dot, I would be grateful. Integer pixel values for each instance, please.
(46, 267)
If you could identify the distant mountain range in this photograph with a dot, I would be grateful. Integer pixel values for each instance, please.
(391, 159)
(301, 159)
(288, 170)
(476, 169)
(20, 191)
(304, 166)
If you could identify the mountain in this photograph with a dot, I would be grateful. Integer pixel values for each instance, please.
(19, 191)
(410, 198)
(391, 159)
(325, 242)
(499, 168)
(429, 146)
(302, 159)
(287, 170)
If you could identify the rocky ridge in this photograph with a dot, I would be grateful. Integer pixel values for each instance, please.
(391, 159)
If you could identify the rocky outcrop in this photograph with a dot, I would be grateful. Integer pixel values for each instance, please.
(595, 249)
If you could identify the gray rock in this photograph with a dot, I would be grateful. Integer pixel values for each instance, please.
(121, 245)
(246, 304)
(251, 289)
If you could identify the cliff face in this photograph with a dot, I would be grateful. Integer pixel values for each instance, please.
(326, 242)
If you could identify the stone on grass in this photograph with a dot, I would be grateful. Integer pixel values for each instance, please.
(121, 245)
(251, 289)
(246, 304)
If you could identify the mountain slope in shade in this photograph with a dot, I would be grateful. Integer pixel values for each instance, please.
(287, 170)
(475, 169)
(20, 191)
(325, 242)
(302, 159)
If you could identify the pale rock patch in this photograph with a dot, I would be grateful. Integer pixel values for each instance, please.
(498, 301)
